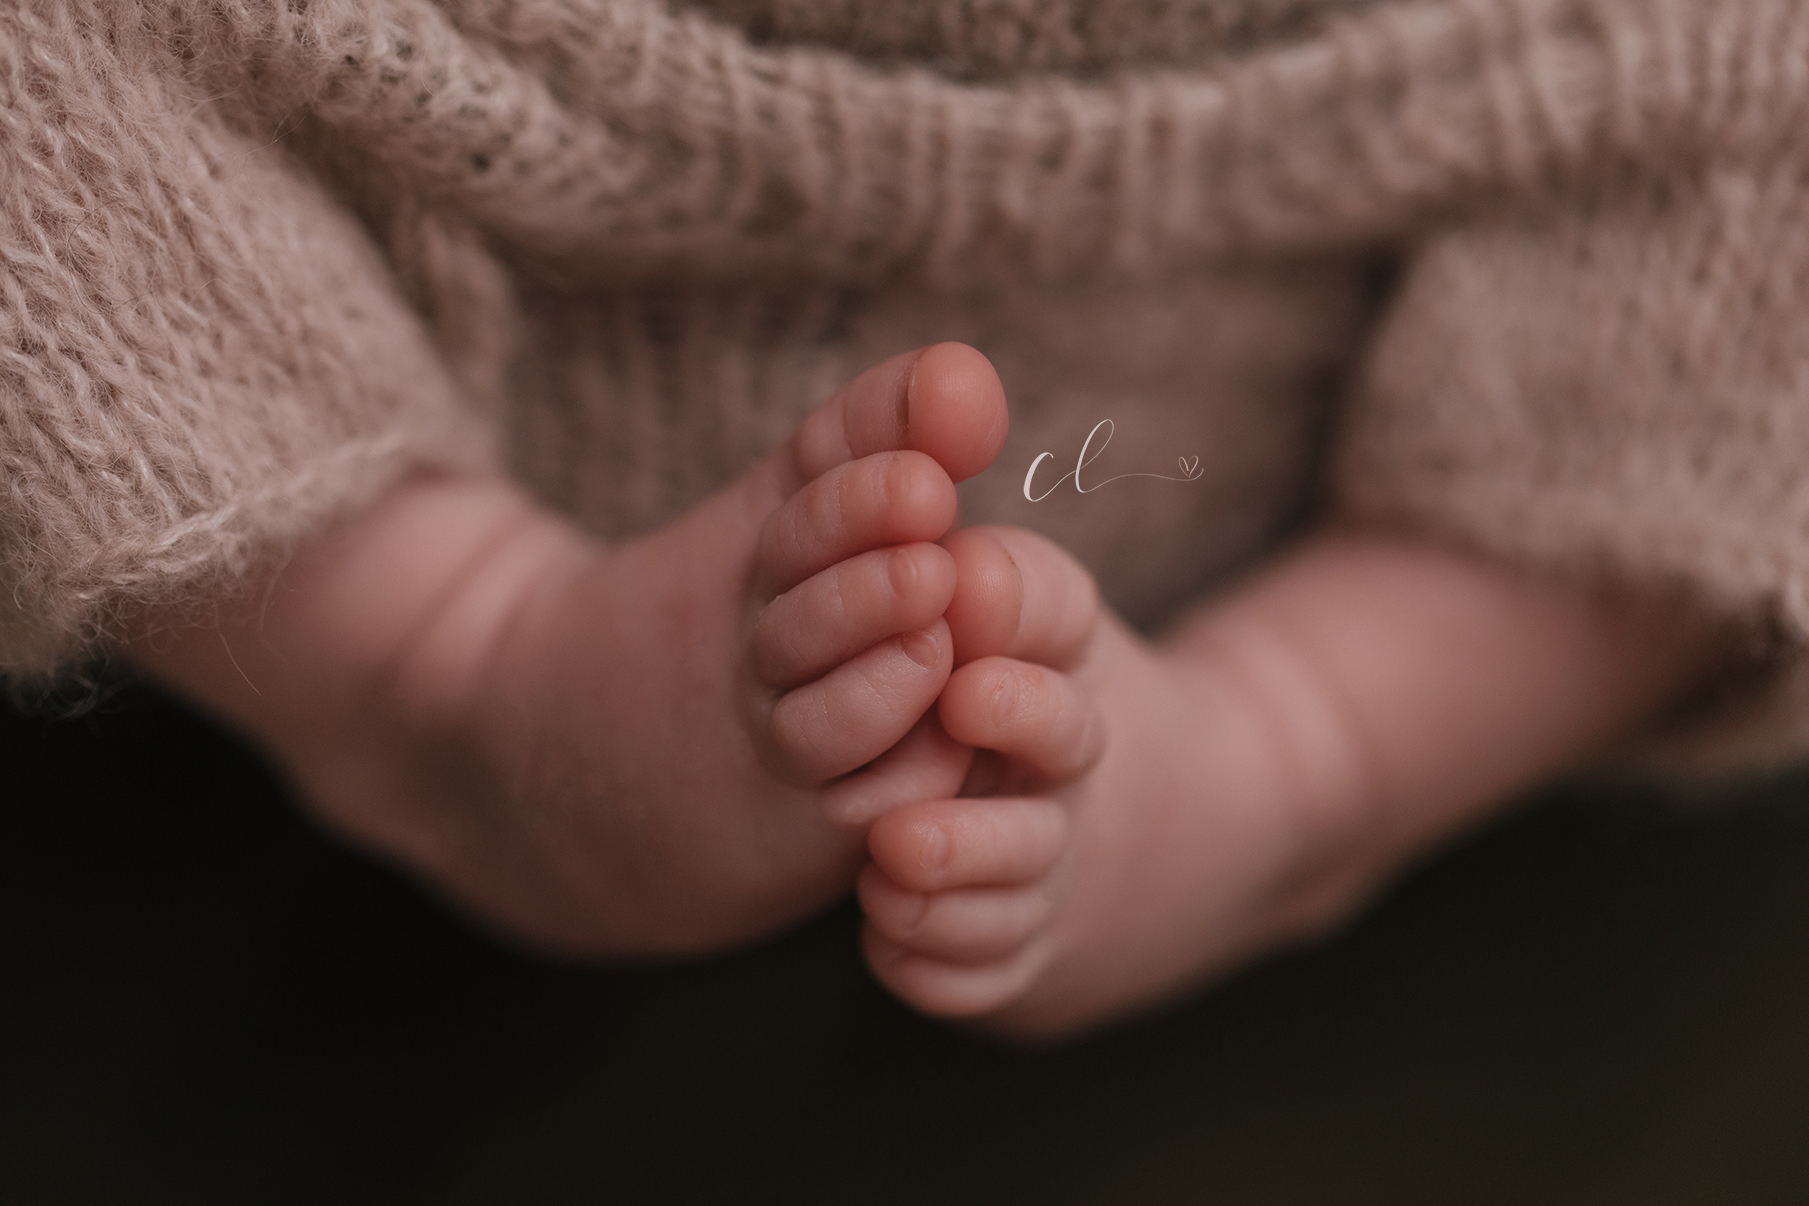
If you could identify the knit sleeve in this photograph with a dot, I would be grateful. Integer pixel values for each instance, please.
(1618, 387)
(202, 355)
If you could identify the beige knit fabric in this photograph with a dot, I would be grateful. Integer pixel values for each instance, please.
(202, 355)
(255, 259)
(1635, 404)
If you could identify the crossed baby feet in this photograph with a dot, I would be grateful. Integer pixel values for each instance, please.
(1122, 831)
(716, 729)
(809, 683)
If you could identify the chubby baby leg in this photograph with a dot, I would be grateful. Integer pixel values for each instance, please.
(662, 746)
(1149, 816)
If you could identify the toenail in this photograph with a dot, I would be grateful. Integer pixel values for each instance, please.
(936, 848)
(922, 647)
(899, 482)
(902, 572)
(1005, 697)
(902, 414)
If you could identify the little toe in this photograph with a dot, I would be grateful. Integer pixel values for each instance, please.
(970, 925)
(848, 608)
(860, 709)
(1033, 715)
(925, 764)
(944, 400)
(936, 845)
(1018, 594)
(888, 498)
(945, 989)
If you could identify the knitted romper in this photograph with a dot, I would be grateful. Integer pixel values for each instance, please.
(1530, 275)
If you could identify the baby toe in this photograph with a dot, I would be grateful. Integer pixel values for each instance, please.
(945, 989)
(970, 925)
(860, 709)
(926, 764)
(1020, 595)
(889, 498)
(848, 608)
(1032, 715)
(937, 845)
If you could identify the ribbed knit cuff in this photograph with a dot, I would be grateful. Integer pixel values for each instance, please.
(1618, 387)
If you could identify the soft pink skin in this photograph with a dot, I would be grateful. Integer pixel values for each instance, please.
(695, 738)
(1149, 815)
(664, 746)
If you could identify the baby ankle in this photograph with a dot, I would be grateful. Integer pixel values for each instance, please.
(472, 597)
(1305, 737)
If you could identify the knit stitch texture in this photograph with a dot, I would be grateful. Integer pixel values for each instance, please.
(1526, 273)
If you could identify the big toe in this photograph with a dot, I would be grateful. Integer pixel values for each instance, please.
(944, 400)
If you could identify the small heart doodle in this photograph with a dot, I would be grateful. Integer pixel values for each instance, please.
(1191, 470)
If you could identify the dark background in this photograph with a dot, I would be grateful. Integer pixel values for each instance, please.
(1598, 1001)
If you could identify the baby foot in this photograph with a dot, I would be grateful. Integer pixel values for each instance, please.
(683, 739)
(1122, 835)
